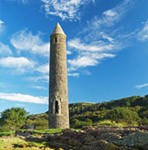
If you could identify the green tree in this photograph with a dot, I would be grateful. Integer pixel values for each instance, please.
(123, 114)
(13, 118)
(39, 121)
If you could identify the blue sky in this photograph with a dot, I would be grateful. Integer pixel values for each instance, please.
(107, 50)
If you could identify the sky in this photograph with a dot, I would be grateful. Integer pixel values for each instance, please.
(107, 50)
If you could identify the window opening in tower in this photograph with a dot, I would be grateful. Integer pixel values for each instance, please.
(56, 107)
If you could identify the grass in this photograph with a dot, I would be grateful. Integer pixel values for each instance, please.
(7, 133)
(39, 132)
(16, 143)
(11, 142)
(49, 131)
(21, 143)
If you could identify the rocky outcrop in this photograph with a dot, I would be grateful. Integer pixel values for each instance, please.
(100, 139)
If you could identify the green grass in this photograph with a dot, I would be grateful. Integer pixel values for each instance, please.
(49, 131)
(16, 143)
(7, 133)
(46, 131)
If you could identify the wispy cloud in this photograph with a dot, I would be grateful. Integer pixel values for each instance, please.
(97, 40)
(23, 98)
(87, 59)
(64, 9)
(21, 1)
(39, 87)
(142, 85)
(75, 74)
(20, 64)
(111, 17)
(43, 68)
(4, 50)
(25, 41)
(143, 34)
(41, 78)
(99, 46)
(1, 26)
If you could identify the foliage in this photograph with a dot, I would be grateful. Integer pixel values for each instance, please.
(38, 122)
(79, 124)
(7, 133)
(111, 123)
(12, 119)
(122, 112)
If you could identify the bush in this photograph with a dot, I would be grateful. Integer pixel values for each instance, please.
(12, 119)
(79, 124)
(123, 114)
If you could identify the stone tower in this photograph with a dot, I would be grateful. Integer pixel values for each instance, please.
(58, 92)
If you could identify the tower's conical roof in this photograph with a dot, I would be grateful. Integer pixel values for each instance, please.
(58, 30)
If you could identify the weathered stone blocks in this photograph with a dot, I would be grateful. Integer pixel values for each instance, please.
(58, 94)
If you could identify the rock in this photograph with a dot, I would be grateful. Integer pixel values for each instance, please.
(136, 140)
(96, 139)
(103, 145)
(110, 137)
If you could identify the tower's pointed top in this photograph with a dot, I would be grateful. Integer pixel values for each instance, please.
(58, 30)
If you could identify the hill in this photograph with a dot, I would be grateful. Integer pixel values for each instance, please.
(130, 111)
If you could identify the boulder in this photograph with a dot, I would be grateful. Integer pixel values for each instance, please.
(137, 140)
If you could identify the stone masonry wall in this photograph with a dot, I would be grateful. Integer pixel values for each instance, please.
(58, 100)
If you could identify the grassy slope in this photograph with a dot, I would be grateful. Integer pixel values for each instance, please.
(95, 113)
(9, 141)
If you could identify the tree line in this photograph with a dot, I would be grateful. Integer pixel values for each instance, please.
(131, 111)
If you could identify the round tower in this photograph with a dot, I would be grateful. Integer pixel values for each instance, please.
(58, 90)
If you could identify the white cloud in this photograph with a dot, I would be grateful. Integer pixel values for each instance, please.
(64, 9)
(25, 41)
(100, 39)
(111, 16)
(23, 98)
(20, 64)
(90, 54)
(83, 61)
(69, 52)
(43, 69)
(93, 47)
(1, 26)
(21, 1)
(143, 34)
(87, 59)
(39, 87)
(4, 49)
(1, 22)
(73, 74)
(42, 78)
(142, 85)
(110, 13)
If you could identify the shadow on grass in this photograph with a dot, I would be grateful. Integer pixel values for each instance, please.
(35, 138)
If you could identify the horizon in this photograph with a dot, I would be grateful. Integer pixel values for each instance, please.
(107, 50)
